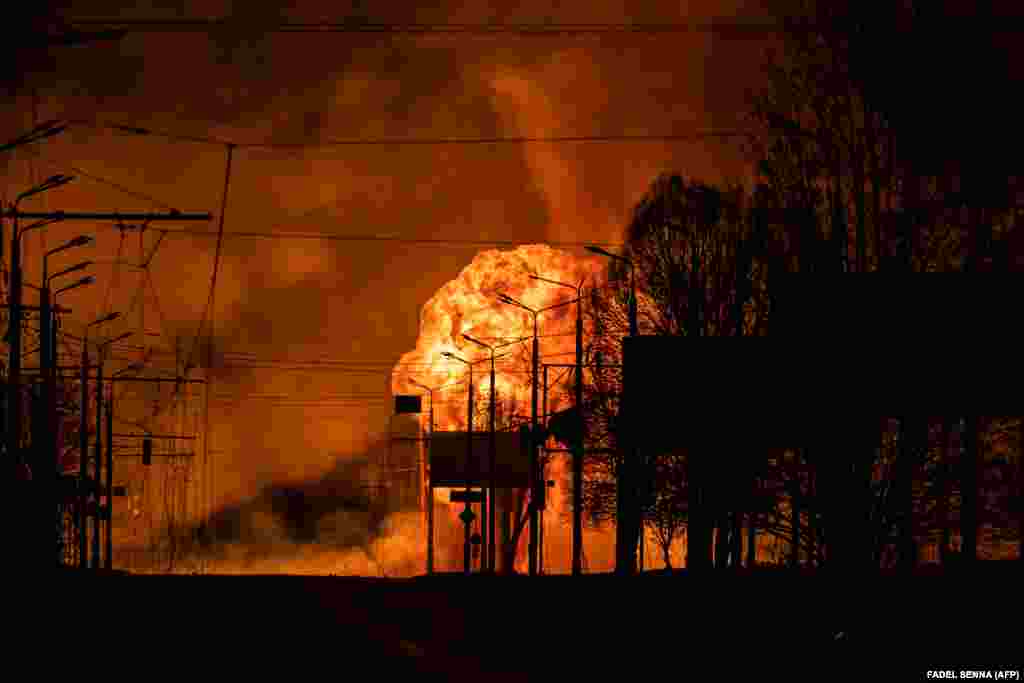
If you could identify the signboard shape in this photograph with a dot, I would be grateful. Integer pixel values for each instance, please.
(841, 352)
(930, 343)
(467, 496)
(449, 467)
(408, 404)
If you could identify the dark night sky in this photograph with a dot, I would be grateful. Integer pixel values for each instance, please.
(359, 300)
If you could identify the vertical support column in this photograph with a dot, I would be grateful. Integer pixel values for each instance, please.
(98, 463)
(84, 480)
(430, 529)
(109, 518)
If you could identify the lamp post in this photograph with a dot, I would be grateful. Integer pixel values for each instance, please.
(14, 425)
(534, 465)
(430, 485)
(577, 448)
(627, 502)
(47, 307)
(492, 452)
(80, 514)
(83, 443)
(109, 550)
(47, 454)
(47, 329)
(633, 324)
(87, 280)
(491, 458)
(101, 350)
(467, 513)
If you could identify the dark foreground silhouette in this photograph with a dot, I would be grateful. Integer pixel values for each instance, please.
(485, 628)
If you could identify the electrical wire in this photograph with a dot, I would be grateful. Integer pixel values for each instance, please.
(758, 26)
(334, 237)
(693, 136)
(216, 261)
(78, 171)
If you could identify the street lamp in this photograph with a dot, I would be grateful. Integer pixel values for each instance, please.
(48, 350)
(70, 269)
(40, 132)
(625, 479)
(47, 302)
(467, 513)
(14, 425)
(633, 326)
(577, 448)
(430, 486)
(84, 444)
(48, 184)
(534, 473)
(80, 241)
(491, 459)
(87, 280)
(101, 354)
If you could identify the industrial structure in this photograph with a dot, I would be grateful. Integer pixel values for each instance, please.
(59, 442)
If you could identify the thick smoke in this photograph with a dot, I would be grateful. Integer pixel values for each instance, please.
(344, 300)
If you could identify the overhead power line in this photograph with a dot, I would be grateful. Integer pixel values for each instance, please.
(212, 25)
(208, 310)
(332, 237)
(691, 136)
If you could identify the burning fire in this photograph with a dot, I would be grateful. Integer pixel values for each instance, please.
(469, 305)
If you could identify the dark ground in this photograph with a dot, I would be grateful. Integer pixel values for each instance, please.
(516, 628)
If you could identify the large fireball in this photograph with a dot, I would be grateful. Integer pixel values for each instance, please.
(469, 305)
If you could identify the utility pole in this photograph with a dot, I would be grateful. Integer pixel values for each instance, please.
(535, 481)
(467, 513)
(48, 449)
(15, 417)
(46, 452)
(97, 515)
(628, 519)
(534, 464)
(577, 447)
(492, 495)
(92, 485)
(491, 535)
(542, 486)
(83, 472)
(109, 512)
(577, 456)
(430, 485)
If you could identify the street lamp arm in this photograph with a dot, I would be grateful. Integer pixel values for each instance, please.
(70, 269)
(553, 282)
(80, 241)
(105, 319)
(505, 298)
(602, 252)
(558, 305)
(449, 354)
(113, 340)
(478, 342)
(88, 280)
(520, 340)
(48, 184)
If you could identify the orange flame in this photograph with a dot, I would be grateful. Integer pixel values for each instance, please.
(469, 305)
